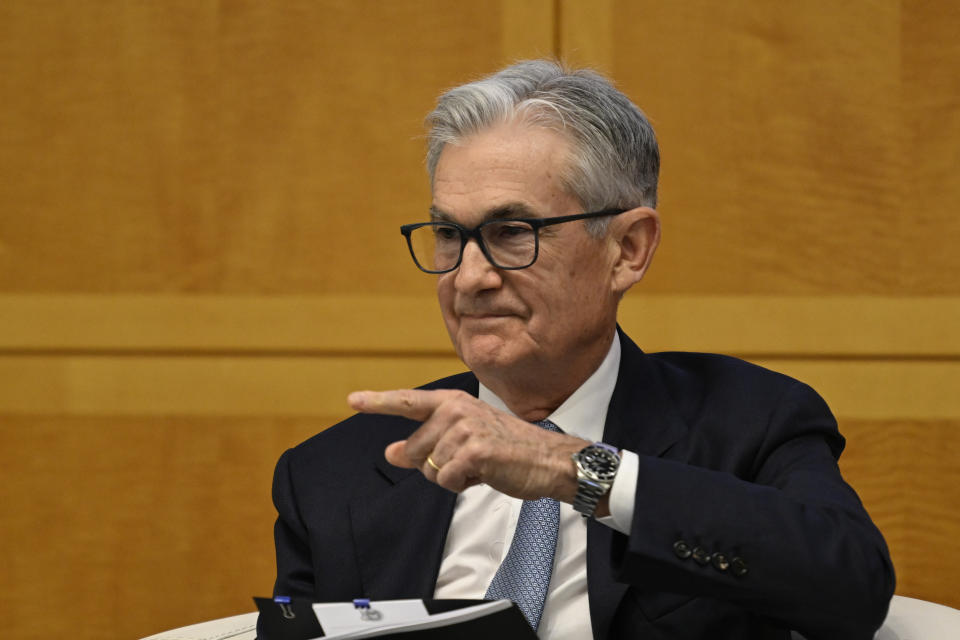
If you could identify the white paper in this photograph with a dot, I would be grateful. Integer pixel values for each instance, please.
(342, 617)
(399, 621)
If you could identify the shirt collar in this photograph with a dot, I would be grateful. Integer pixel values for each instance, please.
(584, 413)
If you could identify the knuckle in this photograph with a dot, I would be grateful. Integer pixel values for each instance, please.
(460, 395)
(462, 400)
(462, 430)
(407, 399)
(473, 454)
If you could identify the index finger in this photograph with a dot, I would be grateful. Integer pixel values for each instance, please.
(416, 404)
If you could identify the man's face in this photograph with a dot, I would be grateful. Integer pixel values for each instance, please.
(519, 322)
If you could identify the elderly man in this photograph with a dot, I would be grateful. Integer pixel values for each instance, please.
(610, 493)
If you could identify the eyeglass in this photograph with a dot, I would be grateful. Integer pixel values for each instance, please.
(508, 243)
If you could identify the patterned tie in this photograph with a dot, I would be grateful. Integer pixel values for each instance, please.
(524, 575)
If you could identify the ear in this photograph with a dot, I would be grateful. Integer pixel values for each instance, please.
(636, 234)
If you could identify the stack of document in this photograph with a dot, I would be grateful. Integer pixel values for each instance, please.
(298, 619)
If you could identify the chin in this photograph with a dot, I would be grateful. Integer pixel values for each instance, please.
(485, 351)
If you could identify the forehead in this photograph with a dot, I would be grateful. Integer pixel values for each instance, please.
(513, 165)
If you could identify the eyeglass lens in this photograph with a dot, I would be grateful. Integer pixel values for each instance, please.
(509, 243)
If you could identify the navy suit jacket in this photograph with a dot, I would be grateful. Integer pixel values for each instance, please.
(734, 460)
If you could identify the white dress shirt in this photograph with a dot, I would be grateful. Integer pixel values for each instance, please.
(484, 519)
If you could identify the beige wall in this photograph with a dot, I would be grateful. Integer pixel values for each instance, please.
(199, 256)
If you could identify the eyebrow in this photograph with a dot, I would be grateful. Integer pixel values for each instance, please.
(508, 210)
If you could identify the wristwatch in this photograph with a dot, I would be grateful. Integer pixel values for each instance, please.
(597, 466)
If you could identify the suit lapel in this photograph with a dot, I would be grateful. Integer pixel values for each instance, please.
(399, 533)
(642, 419)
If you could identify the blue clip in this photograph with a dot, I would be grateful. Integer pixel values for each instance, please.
(366, 613)
(284, 602)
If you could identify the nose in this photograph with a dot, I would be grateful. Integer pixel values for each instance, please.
(475, 272)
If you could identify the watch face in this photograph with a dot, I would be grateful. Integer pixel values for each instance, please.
(600, 463)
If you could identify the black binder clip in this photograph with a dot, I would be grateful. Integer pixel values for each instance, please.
(366, 613)
(285, 608)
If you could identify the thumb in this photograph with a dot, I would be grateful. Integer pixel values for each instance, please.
(396, 454)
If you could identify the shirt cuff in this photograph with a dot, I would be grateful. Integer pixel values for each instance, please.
(623, 494)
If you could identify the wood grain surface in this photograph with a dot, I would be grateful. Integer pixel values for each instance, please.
(200, 257)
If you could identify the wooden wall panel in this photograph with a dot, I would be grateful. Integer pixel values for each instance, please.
(752, 326)
(119, 527)
(307, 385)
(907, 475)
(158, 151)
(229, 147)
(199, 384)
(797, 143)
(930, 104)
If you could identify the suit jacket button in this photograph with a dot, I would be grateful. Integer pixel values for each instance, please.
(700, 555)
(720, 561)
(738, 566)
(682, 549)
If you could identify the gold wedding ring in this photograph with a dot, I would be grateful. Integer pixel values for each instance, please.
(433, 464)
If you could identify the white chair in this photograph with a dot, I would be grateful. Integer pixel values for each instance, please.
(912, 619)
(241, 627)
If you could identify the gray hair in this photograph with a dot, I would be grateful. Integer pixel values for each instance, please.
(616, 160)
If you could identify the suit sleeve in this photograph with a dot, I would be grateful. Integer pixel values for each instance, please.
(795, 544)
(295, 574)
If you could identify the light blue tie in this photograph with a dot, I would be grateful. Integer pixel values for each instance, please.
(524, 575)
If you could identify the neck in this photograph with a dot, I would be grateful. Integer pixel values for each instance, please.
(535, 392)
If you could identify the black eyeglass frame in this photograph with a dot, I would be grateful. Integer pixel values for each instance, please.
(475, 234)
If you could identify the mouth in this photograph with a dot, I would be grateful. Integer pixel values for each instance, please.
(491, 316)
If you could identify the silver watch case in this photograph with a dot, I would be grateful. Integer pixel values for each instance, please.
(597, 466)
